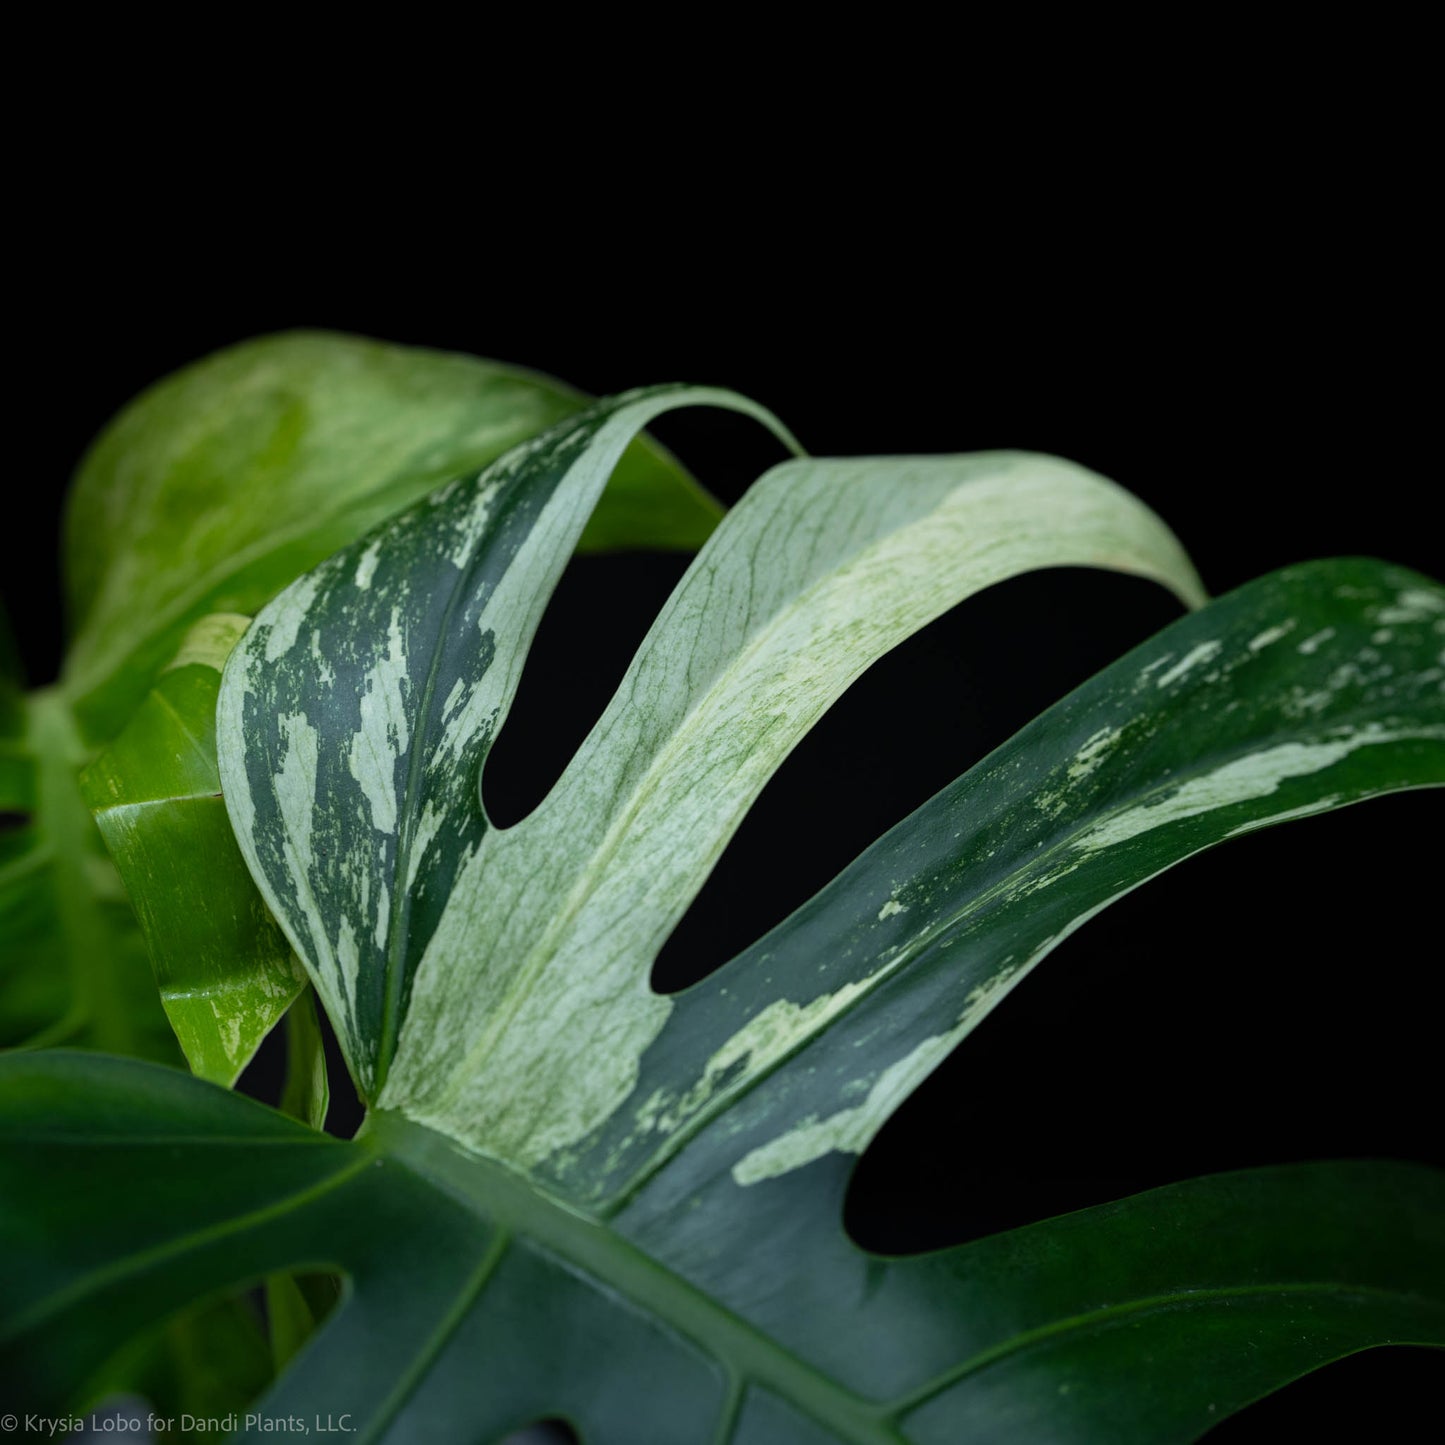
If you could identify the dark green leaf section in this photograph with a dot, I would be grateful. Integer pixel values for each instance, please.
(1306, 690)
(360, 708)
(475, 1305)
(224, 969)
(222, 483)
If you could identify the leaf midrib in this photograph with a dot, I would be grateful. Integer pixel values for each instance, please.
(520, 1210)
(399, 921)
(750, 1356)
(655, 777)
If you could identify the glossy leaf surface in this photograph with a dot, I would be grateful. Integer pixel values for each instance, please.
(222, 483)
(209, 493)
(476, 1305)
(354, 718)
(225, 972)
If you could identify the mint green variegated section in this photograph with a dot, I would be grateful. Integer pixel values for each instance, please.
(223, 483)
(355, 716)
(1306, 690)
(225, 971)
(553, 925)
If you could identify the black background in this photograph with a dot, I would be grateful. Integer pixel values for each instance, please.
(1231, 341)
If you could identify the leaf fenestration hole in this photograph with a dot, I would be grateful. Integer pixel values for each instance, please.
(602, 609)
(295, 1305)
(545, 1432)
(1219, 1018)
(264, 1078)
(907, 728)
(1379, 1393)
(589, 632)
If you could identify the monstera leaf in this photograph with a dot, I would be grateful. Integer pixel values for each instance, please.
(575, 1197)
(206, 496)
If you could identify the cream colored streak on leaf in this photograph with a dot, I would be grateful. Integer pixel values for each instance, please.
(851, 1130)
(1271, 635)
(382, 739)
(1247, 778)
(1191, 659)
(286, 615)
(210, 642)
(766, 1038)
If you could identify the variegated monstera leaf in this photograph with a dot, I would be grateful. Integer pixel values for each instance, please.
(577, 1197)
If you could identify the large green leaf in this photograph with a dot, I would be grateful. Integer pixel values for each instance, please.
(222, 483)
(355, 717)
(224, 969)
(476, 1304)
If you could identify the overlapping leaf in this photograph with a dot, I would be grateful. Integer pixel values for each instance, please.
(357, 714)
(476, 1304)
(224, 482)
(73, 967)
(210, 493)
(224, 969)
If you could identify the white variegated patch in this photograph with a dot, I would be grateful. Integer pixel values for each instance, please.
(211, 641)
(285, 617)
(1256, 775)
(1202, 652)
(1413, 604)
(851, 1130)
(1271, 635)
(384, 736)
